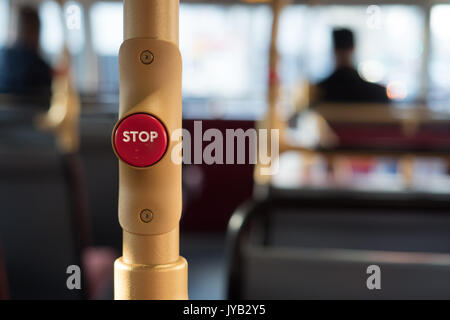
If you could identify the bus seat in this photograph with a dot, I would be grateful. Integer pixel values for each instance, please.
(44, 202)
(342, 274)
(386, 127)
(318, 245)
(102, 175)
(97, 261)
(35, 222)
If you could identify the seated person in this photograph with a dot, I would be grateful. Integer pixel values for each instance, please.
(345, 84)
(22, 70)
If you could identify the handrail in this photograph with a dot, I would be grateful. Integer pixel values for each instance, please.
(149, 180)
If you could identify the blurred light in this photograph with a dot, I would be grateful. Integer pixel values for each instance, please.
(439, 63)
(396, 23)
(371, 70)
(291, 40)
(107, 27)
(417, 51)
(52, 36)
(396, 90)
(3, 21)
(440, 22)
(216, 41)
(235, 222)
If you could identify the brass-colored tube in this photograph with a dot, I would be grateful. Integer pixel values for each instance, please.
(151, 267)
(155, 19)
(151, 250)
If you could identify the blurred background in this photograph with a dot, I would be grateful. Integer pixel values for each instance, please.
(362, 180)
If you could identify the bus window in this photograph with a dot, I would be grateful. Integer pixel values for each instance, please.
(107, 32)
(107, 27)
(51, 28)
(224, 55)
(74, 18)
(4, 15)
(212, 39)
(52, 34)
(389, 44)
(439, 71)
(225, 51)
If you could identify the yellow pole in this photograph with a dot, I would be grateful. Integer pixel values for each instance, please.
(150, 182)
(63, 116)
(272, 118)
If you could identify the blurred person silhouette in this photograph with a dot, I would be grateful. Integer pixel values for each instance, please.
(345, 84)
(22, 69)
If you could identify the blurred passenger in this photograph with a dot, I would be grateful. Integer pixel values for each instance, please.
(22, 70)
(345, 84)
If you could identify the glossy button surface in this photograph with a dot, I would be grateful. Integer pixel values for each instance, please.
(140, 140)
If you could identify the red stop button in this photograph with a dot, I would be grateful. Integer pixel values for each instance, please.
(140, 140)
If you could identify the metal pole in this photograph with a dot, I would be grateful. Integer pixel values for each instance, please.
(150, 182)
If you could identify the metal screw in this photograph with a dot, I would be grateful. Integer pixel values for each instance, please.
(147, 57)
(146, 216)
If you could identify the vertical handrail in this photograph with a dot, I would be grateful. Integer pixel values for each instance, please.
(149, 179)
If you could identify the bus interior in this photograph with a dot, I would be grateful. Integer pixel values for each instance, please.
(357, 183)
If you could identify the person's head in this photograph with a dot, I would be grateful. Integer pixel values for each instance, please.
(28, 27)
(344, 47)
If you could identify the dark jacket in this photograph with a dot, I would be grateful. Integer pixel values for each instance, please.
(23, 71)
(345, 85)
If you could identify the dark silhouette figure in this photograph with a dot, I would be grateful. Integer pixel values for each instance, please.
(345, 84)
(22, 70)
